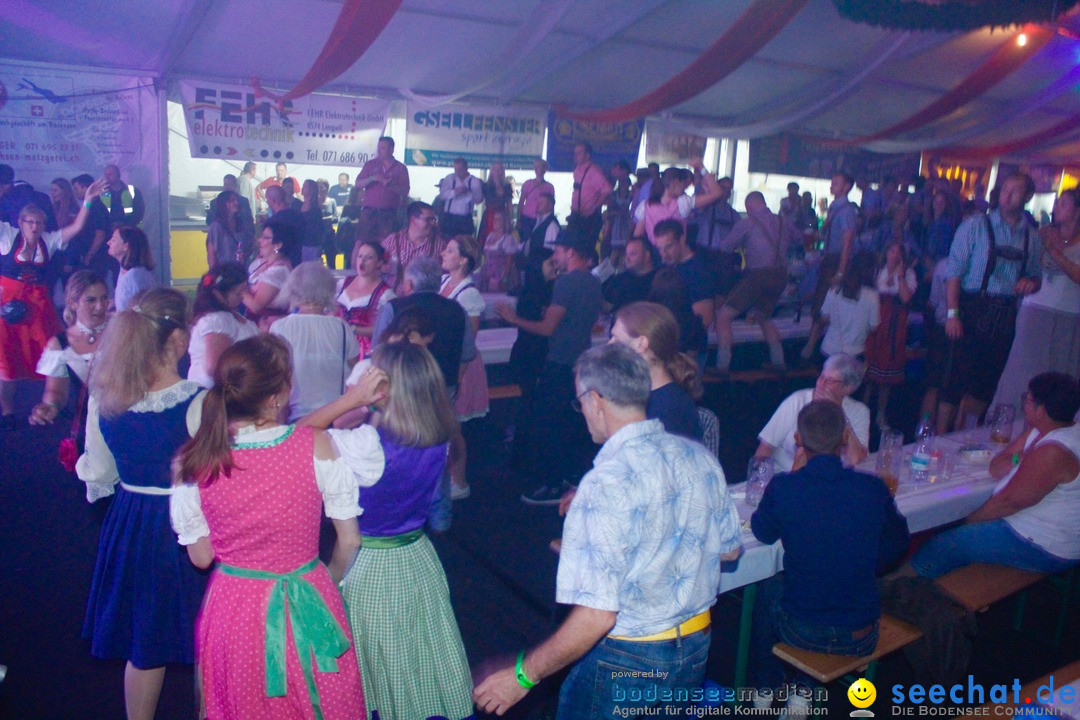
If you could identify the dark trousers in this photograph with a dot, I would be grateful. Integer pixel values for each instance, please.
(588, 225)
(452, 225)
(979, 357)
(376, 223)
(558, 443)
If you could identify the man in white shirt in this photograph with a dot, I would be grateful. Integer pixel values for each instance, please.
(459, 193)
(840, 377)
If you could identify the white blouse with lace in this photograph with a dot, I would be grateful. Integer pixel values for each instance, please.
(96, 466)
(336, 480)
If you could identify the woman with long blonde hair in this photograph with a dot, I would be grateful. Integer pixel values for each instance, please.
(145, 592)
(396, 592)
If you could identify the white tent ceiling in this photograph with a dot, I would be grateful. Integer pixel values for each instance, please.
(601, 53)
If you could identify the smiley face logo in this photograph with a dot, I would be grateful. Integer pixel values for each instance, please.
(862, 693)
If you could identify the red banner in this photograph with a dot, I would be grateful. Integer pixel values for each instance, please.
(752, 31)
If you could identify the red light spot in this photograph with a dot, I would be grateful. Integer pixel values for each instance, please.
(1027, 700)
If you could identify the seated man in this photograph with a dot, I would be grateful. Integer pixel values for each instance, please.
(840, 528)
(640, 562)
(1032, 521)
(839, 378)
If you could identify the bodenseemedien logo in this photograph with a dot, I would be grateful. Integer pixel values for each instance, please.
(862, 694)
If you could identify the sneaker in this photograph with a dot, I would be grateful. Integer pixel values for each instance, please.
(460, 492)
(798, 707)
(543, 495)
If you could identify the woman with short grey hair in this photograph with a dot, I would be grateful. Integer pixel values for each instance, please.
(324, 349)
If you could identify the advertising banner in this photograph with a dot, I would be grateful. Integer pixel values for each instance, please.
(803, 157)
(229, 122)
(668, 147)
(610, 141)
(481, 135)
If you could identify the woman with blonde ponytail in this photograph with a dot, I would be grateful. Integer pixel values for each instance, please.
(249, 494)
(145, 592)
(651, 331)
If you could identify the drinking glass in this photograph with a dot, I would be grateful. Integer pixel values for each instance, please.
(1000, 421)
(941, 466)
(758, 474)
(889, 461)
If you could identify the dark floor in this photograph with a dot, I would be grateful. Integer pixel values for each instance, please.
(501, 573)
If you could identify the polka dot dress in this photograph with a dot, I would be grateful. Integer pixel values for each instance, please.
(266, 517)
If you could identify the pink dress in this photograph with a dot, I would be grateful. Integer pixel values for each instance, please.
(266, 518)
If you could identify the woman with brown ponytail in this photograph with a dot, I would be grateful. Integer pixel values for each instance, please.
(145, 593)
(651, 331)
(249, 494)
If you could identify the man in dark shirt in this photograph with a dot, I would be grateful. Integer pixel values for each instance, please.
(454, 345)
(87, 249)
(634, 282)
(282, 214)
(698, 279)
(840, 529)
(340, 192)
(559, 447)
(15, 195)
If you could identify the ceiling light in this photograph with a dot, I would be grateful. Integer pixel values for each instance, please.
(1022, 39)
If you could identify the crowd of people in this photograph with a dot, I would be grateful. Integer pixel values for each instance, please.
(305, 390)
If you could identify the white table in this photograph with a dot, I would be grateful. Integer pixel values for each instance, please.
(925, 506)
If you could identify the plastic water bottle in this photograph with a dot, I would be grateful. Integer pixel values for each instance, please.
(924, 450)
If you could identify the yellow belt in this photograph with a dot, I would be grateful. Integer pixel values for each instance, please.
(698, 622)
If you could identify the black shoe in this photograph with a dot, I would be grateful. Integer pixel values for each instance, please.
(543, 495)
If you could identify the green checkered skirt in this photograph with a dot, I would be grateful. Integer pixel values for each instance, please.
(412, 661)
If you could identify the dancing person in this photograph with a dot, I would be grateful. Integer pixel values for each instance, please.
(130, 247)
(66, 358)
(267, 274)
(27, 316)
(362, 295)
(886, 347)
(459, 193)
(838, 234)
(498, 197)
(652, 505)
(324, 348)
(218, 323)
(1048, 324)
(396, 592)
(851, 311)
(227, 239)
(501, 247)
(668, 200)
(249, 494)
(145, 592)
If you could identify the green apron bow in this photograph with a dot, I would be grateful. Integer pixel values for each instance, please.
(389, 542)
(315, 631)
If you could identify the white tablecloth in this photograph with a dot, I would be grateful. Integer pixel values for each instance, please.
(925, 506)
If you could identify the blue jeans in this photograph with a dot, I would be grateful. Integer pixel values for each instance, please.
(604, 681)
(987, 542)
(771, 624)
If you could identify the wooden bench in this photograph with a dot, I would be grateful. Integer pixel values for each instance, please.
(980, 585)
(893, 634)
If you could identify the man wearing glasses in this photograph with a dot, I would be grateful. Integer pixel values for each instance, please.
(418, 239)
(840, 377)
(640, 561)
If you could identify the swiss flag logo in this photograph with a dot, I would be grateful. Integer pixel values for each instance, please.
(37, 111)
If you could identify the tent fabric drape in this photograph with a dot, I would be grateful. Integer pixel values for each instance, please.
(1060, 133)
(357, 26)
(1007, 58)
(751, 31)
(533, 31)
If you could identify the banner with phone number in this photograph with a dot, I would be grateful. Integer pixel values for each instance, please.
(231, 122)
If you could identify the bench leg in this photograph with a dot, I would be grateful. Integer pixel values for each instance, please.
(1066, 600)
(1018, 617)
(746, 619)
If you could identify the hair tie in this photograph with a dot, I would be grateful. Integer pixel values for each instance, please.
(137, 309)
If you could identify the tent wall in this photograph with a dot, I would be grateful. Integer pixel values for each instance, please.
(59, 121)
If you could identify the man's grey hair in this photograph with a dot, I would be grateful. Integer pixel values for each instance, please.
(616, 373)
(424, 273)
(310, 282)
(847, 367)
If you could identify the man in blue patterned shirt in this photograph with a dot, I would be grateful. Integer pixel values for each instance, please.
(640, 562)
(994, 259)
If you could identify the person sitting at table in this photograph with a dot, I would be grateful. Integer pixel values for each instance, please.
(1032, 521)
(839, 378)
(840, 529)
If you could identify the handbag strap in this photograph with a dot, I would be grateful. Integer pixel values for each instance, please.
(344, 360)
